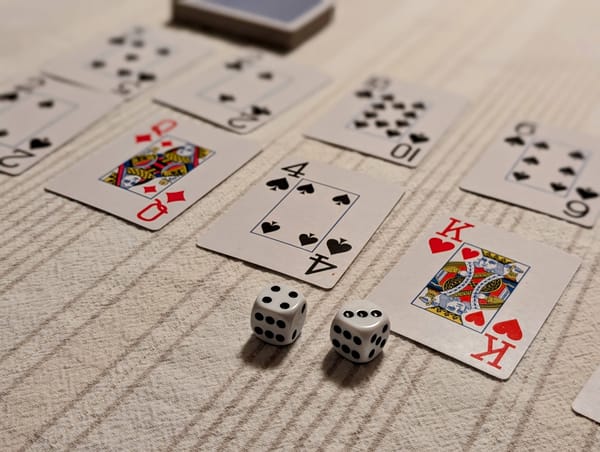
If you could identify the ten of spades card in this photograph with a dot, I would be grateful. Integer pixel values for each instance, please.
(243, 93)
(151, 175)
(395, 121)
(587, 402)
(126, 63)
(306, 219)
(38, 115)
(474, 292)
(541, 168)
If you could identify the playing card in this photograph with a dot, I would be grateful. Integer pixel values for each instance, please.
(395, 121)
(129, 62)
(543, 169)
(151, 175)
(474, 292)
(587, 402)
(243, 93)
(38, 115)
(306, 219)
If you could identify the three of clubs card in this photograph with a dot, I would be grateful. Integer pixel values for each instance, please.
(474, 292)
(543, 169)
(395, 121)
(587, 402)
(151, 176)
(308, 220)
(243, 93)
(127, 63)
(38, 115)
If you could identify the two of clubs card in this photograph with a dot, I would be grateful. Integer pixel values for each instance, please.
(474, 292)
(129, 62)
(150, 176)
(306, 219)
(38, 115)
(541, 168)
(394, 121)
(243, 93)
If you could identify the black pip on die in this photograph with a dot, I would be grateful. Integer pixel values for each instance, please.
(359, 331)
(278, 314)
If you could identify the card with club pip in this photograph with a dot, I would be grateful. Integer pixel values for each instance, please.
(306, 219)
(587, 402)
(543, 169)
(395, 121)
(127, 63)
(243, 93)
(474, 292)
(152, 174)
(38, 115)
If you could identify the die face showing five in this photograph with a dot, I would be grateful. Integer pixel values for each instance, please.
(359, 331)
(278, 314)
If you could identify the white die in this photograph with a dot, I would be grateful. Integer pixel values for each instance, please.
(359, 331)
(278, 314)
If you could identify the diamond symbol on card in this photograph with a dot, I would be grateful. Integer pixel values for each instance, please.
(143, 138)
(150, 189)
(175, 196)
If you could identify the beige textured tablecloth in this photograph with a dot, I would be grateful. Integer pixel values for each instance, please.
(116, 338)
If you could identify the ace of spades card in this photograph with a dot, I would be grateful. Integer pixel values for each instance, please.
(150, 176)
(38, 115)
(543, 169)
(126, 63)
(306, 219)
(395, 121)
(243, 93)
(587, 402)
(474, 292)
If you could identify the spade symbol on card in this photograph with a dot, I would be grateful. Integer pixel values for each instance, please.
(146, 77)
(163, 51)
(388, 97)
(341, 199)
(410, 114)
(557, 186)
(131, 57)
(381, 123)
(541, 145)
(12, 96)
(46, 103)
(586, 193)
(338, 246)
(364, 94)
(124, 72)
(98, 64)
(370, 114)
(392, 133)
(235, 65)
(37, 143)
(3, 132)
(266, 75)
(269, 226)
(419, 105)
(256, 110)
(307, 188)
(577, 155)
(520, 175)
(514, 141)
(117, 40)
(307, 239)
(378, 106)
(398, 106)
(476, 317)
(418, 138)
(226, 98)
(531, 160)
(360, 124)
(281, 184)
(402, 123)
(567, 171)
(510, 328)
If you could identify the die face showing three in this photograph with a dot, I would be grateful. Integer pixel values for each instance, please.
(278, 314)
(359, 331)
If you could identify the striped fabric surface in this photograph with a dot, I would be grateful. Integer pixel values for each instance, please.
(115, 338)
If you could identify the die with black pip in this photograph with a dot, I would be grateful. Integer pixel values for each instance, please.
(278, 314)
(359, 331)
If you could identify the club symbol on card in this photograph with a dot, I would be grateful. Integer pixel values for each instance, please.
(278, 184)
(338, 246)
(307, 239)
(341, 199)
(515, 141)
(364, 94)
(378, 106)
(266, 75)
(268, 227)
(541, 145)
(123, 72)
(360, 124)
(98, 64)
(419, 105)
(223, 97)
(117, 40)
(131, 57)
(531, 160)
(567, 171)
(399, 106)
(381, 123)
(586, 193)
(557, 186)
(520, 175)
(392, 133)
(37, 143)
(46, 103)
(418, 138)
(237, 65)
(402, 123)
(370, 114)
(577, 155)
(163, 51)
(477, 318)
(410, 114)
(510, 328)
(138, 43)
(306, 188)
(146, 77)
(3, 132)
(12, 96)
(389, 97)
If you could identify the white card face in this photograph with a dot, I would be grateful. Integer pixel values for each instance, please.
(244, 93)
(474, 292)
(587, 402)
(395, 121)
(308, 220)
(543, 169)
(127, 63)
(38, 115)
(151, 175)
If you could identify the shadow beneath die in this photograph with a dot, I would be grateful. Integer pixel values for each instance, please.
(347, 374)
(262, 355)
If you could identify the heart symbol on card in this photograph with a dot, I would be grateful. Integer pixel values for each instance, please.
(341, 199)
(437, 245)
(469, 253)
(281, 184)
(307, 239)
(475, 317)
(307, 188)
(36, 143)
(269, 227)
(336, 247)
(510, 328)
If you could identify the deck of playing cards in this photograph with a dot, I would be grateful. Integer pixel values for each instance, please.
(308, 220)
(474, 292)
(151, 175)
